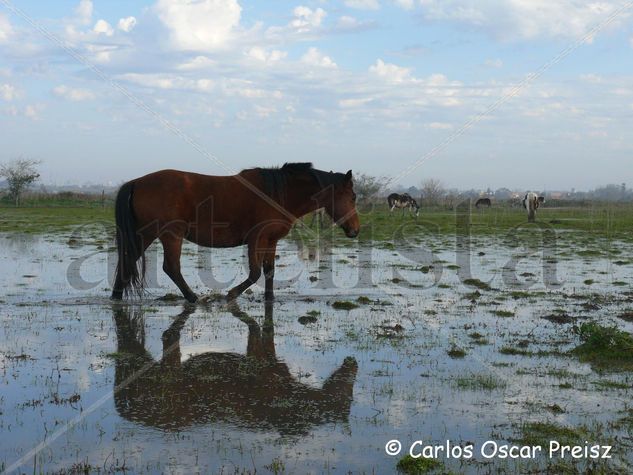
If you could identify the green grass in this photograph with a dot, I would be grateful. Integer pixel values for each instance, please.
(477, 283)
(503, 313)
(605, 347)
(43, 220)
(599, 219)
(541, 433)
(344, 305)
(412, 466)
(456, 352)
(485, 382)
(41, 215)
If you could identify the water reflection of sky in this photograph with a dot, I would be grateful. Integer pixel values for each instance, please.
(404, 388)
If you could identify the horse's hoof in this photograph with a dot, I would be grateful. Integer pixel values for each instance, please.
(192, 298)
(117, 296)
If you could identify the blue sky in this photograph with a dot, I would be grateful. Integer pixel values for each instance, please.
(371, 85)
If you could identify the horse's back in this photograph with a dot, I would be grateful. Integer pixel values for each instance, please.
(174, 195)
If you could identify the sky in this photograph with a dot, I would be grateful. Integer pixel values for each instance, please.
(103, 91)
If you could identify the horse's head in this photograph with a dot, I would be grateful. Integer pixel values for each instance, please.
(342, 207)
(415, 206)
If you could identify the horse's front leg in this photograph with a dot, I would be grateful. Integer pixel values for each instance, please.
(269, 271)
(255, 270)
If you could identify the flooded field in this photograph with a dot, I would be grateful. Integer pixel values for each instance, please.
(434, 339)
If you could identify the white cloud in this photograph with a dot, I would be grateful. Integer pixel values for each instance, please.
(199, 25)
(83, 11)
(101, 53)
(390, 72)
(524, 19)
(439, 126)
(494, 63)
(306, 19)
(72, 94)
(33, 111)
(127, 24)
(406, 4)
(6, 30)
(591, 78)
(314, 57)
(348, 23)
(354, 103)
(8, 92)
(260, 54)
(102, 27)
(363, 4)
(199, 62)
(169, 81)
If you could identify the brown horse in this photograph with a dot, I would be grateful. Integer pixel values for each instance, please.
(256, 207)
(245, 390)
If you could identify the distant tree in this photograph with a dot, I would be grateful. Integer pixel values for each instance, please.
(503, 194)
(367, 187)
(432, 191)
(20, 174)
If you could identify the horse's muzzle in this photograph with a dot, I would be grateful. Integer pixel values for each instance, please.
(351, 233)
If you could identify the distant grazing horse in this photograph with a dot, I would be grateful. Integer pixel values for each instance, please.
(255, 390)
(531, 202)
(483, 202)
(403, 201)
(256, 207)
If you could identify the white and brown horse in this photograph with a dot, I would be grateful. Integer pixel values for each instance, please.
(531, 202)
(403, 201)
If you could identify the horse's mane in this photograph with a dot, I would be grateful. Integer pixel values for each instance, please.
(276, 179)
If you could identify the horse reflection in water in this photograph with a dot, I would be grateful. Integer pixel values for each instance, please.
(253, 391)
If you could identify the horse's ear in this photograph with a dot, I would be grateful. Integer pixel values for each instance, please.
(348, 175)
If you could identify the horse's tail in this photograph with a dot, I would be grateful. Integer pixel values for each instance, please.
(128, 243)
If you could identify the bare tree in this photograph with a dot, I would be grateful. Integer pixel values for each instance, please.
(432, 191)
(20, 174)
(367, 187)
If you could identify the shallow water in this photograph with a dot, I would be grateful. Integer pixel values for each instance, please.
(156, 386)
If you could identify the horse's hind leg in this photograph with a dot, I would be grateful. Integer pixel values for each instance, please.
(172, 246)
(145, 238)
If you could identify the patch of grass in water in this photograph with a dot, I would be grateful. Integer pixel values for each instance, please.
(477, 283)
(344, 305)
(541, 433)
(520, 294)
(456, 352)
(307, 319)
(503, 313)
(363, 300)
(588, 281)
(611, 384)
(472, 295)
(627, 316)
(510, 350)
(412, 466)
(485, 382)
(606, 347)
